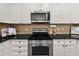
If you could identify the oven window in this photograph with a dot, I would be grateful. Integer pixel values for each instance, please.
(40, 50)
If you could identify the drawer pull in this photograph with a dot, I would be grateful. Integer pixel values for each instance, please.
(70, 41)
(19, 47)
(65, 45)
(19, 52)
(19, 41)
(58, 41)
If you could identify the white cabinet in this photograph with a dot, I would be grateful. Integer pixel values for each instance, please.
(14, 48)
(39, 6)
(7, 48)
(19, 47)
(64, 47)
(75, 13)
(25, 13)
(35, 7)
(70, 47)
(61, 13)
(15, 13)
(45, 6)
(64, 13)
(4, 13)
(1, 49)
(77, 47)
(58, 49)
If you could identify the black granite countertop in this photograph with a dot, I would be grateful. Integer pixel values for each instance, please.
(58, 36)
(20, 36)
(61, 36)
(27, 36)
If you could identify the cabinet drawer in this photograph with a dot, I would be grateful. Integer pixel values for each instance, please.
(70, 42)
(19, 54)
(17, 45)
(58, 42)
(20, 47)
(19, 42)
(20, 50)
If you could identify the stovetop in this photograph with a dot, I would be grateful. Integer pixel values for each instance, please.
(40, 36)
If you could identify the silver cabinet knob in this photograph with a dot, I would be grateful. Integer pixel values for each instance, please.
(19, 41)
(19, 46)
(70, 41)
(58, 41)
(19, 52)
(65, 45)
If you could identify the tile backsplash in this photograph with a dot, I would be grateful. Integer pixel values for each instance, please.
(27, 28)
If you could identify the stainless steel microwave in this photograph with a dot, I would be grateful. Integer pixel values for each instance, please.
(75, 32)
(42, 16)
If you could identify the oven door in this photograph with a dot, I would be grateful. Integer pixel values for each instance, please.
(40, 50)
(40, 47)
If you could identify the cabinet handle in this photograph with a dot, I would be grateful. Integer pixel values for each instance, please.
(19, 47)
(65, 45)
(19, 52)
(19, 42)
(58, 41)
(70, 41)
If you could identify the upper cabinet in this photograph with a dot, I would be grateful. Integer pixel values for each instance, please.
(64, 13)
(14, 13)
(39, 6)
(18, 13)
(25, 13)
(61, 13)
(45, 6)
(21, 12)
(34, 7)
(75, 13)
(3, 12)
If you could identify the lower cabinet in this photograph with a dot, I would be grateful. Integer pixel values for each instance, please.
(15, 47)
(77, 47)
(58, 49)
(64, 47)
(70, 48)
(19, 47)
(1, 49)
(7, 48)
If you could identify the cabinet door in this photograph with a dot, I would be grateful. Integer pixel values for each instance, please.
(14, 12)
(58, 48)
(25, 15)
(7, 48)
(77, 47)
(35, 6)
(61, 13)
(75, 13)
(1, 49)
(45, 6)
(70, 47)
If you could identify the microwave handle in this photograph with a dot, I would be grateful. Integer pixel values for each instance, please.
(46, 16)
